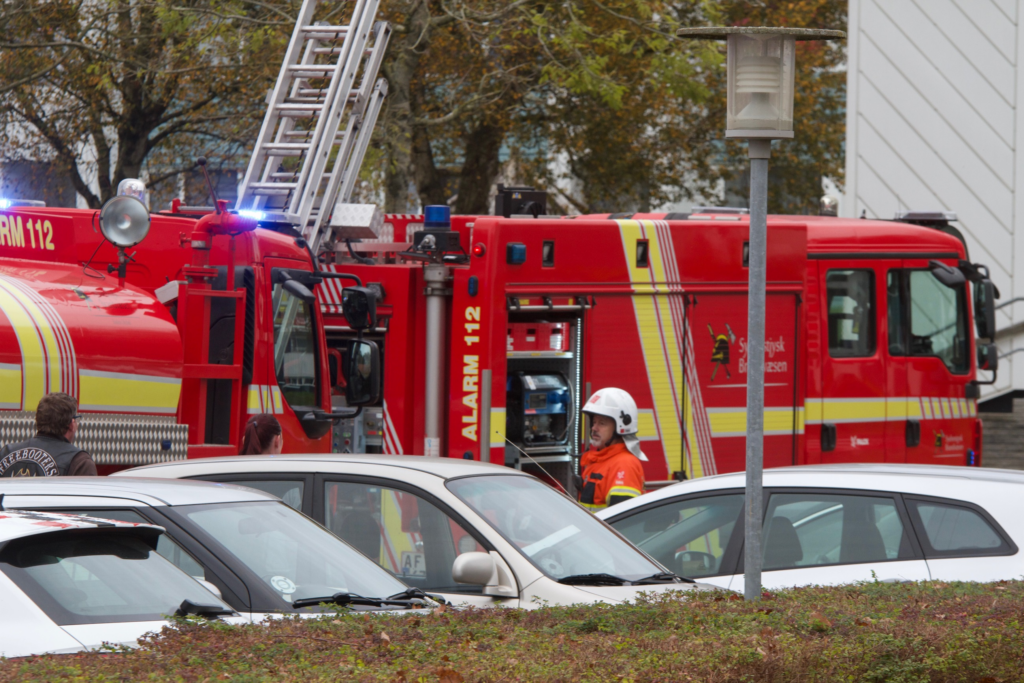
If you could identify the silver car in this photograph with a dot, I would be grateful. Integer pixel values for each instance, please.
(71, 583)
(262, 556)
(477, 533)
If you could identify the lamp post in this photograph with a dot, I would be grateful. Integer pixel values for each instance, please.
(761, 66)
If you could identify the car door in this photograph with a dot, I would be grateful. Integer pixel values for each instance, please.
(835, 536)
(405, 530)
(962, 542)
(695, 536)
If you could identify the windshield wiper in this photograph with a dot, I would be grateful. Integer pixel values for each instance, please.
(593, 580)
(413, 594)
(188, 607)
(663, 577)
(354, 599)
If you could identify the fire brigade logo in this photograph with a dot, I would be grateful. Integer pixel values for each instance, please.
(940, 439)
(28, 462)
(720, 350)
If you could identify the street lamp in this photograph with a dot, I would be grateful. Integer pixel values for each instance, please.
(761, 66)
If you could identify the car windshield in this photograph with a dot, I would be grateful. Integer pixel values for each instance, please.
(291, 553)
(93, 578)
(558, 536)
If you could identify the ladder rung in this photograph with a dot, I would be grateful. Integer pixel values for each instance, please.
(325, 30)
(351, 95)
(286, 146)
(312, 68)
(327, 51)
(283, 176)
(269, 192)
(270, 186)
(298, 106)
(304, 134)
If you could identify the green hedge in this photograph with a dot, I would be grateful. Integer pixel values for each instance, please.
(872, 632)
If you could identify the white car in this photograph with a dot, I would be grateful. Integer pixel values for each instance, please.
(837, 524)
(476, 533)
(261, 556)
(71, 583)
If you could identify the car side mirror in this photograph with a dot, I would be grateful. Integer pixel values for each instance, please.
(363, 378)
(988, 357)
(359, 305)
(487, 570)
(209, 586)
(985, 308)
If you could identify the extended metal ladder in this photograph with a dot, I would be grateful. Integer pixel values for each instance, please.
(302, 165)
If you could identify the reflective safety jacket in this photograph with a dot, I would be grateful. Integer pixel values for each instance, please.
(610, 475)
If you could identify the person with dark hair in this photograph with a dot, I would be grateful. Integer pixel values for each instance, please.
(51, 452)
(262, 436)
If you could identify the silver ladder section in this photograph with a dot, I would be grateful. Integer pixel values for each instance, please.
(288, 176)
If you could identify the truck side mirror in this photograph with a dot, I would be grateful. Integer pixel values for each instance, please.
(359, 304)
(988, 357)
(985, 309)
(363, 373)
(298, 290)
(333, 367)
(947, 275)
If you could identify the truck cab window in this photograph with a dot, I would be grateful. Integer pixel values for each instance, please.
(295, 359)
(938, 321)
(851, 313)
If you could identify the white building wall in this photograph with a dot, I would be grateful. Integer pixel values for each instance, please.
(933, 122)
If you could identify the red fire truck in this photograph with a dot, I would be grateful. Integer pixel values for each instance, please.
(488, 332)
(871, 355)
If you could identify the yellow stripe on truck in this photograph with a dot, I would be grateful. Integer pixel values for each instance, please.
(10, 386)
(657, 338)
(128, 393)
(40, 354)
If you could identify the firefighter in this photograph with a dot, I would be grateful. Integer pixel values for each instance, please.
(262, 436)
(51, 452)
(612, 471)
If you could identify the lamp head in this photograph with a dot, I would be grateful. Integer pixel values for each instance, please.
(124, 221)
(761, 70)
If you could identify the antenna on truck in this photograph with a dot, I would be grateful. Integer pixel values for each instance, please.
(302, 166)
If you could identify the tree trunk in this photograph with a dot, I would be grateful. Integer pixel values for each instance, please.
(398, 136)
(431, 182)
(483, 144)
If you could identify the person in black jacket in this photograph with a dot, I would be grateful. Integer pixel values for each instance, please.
(51, 452)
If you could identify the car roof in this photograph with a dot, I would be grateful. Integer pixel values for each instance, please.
(21, 523)
(152, 492)
(939, 480)
(445, 468)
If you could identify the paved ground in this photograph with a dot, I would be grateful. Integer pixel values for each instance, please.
(1004, 439)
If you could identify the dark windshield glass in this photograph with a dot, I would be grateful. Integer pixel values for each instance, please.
(93, 578)
(295, 360)
(291, 553)
(558, 536)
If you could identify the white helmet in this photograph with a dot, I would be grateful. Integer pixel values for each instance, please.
(620, 406)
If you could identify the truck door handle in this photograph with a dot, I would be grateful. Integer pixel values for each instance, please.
(828, 437)
(913, 433)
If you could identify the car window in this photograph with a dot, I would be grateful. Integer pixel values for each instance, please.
(165, 546)
(558, 536)
(688, 536)
(92, 578)
(291, 553)
(402, 532)
(807, 530)
(956, 530)
(290, 491)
